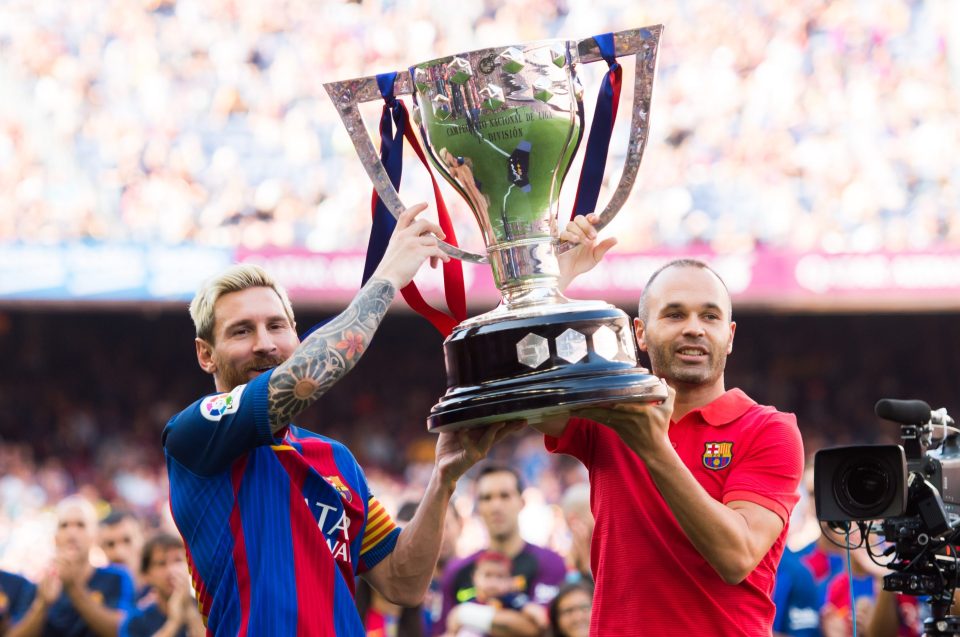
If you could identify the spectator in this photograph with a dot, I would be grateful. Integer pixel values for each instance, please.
(570, 610)
(74, 598)
(493, 587)
(16, 592)
(795, 596)
(537, 571)
(174, 612)
(121, 538)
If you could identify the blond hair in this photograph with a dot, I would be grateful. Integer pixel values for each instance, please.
(234, 279)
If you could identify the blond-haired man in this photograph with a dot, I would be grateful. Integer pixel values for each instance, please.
(278, 520)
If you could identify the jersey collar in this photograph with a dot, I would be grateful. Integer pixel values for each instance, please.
(725, 409)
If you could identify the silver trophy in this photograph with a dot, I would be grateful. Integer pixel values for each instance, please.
(502, 125)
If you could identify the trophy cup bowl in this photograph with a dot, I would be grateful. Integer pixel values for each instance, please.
(502, 126)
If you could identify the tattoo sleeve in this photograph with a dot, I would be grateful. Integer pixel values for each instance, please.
(327, 354)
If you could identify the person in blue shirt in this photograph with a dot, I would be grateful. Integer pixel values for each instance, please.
(73, 598)
(121, 538)
(174, 612)
(795, 595)
(279, 520)
(16, 593)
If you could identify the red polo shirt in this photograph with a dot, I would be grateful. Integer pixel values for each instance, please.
(650, 579)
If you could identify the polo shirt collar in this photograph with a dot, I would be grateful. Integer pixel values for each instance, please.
(727, 408)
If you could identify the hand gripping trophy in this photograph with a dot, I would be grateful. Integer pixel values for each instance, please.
(502, 125)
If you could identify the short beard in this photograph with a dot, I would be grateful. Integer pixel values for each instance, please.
(664, 366)
(229, 376)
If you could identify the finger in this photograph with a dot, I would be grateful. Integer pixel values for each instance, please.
(425, 227)
(408, 215)
(509, 430)
(671, 394)
(603, 247)
(489, 436)
(434, 261)
(585, 226)
(574, 228)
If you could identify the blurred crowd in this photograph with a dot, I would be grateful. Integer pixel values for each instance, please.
(792, 124)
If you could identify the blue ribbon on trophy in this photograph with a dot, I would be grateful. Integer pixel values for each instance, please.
(391, 154)
(598, 143)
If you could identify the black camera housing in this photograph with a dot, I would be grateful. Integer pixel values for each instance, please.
(908, 493)
(865, 482)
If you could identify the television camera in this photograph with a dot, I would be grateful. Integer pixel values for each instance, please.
(910, 495)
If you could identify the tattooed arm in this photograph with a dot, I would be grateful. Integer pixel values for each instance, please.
(331, 351)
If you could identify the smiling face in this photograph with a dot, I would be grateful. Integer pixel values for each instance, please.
(251, 334)
(688, 332)
(573, 614)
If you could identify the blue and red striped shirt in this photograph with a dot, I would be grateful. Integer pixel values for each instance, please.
(277, 527)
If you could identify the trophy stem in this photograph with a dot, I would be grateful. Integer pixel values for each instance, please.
(526, 272)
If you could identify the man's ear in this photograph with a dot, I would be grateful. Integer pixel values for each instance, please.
(205, 356)
(639, 333)
(733, 330)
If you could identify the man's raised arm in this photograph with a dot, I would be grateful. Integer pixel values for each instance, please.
(332, 350)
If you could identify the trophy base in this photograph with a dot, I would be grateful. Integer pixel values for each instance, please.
(531, 367)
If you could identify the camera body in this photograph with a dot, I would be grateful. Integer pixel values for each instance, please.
(871, 482)
(912, 490)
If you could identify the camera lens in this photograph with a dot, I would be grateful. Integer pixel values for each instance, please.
(864, 486)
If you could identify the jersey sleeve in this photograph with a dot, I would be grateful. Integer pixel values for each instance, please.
(769, 468)
(116, 586)
(380, 535)
(577, 440)
(217, 429)
(20, 593)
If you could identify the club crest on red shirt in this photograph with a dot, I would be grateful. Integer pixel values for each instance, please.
(717, 455)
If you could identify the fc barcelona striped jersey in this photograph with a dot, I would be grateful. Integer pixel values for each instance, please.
(276, 526)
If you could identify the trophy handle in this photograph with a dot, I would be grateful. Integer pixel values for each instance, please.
(644, 44)
(346, 95)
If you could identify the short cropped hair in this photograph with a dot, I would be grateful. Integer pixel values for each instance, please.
(165, 541)
(116, 516)
(643, 311)
(500, 468)
(234, 279)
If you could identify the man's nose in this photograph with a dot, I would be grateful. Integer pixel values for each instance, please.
(693, 326)
(264, 342)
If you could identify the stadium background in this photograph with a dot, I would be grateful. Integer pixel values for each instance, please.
(806, 148)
